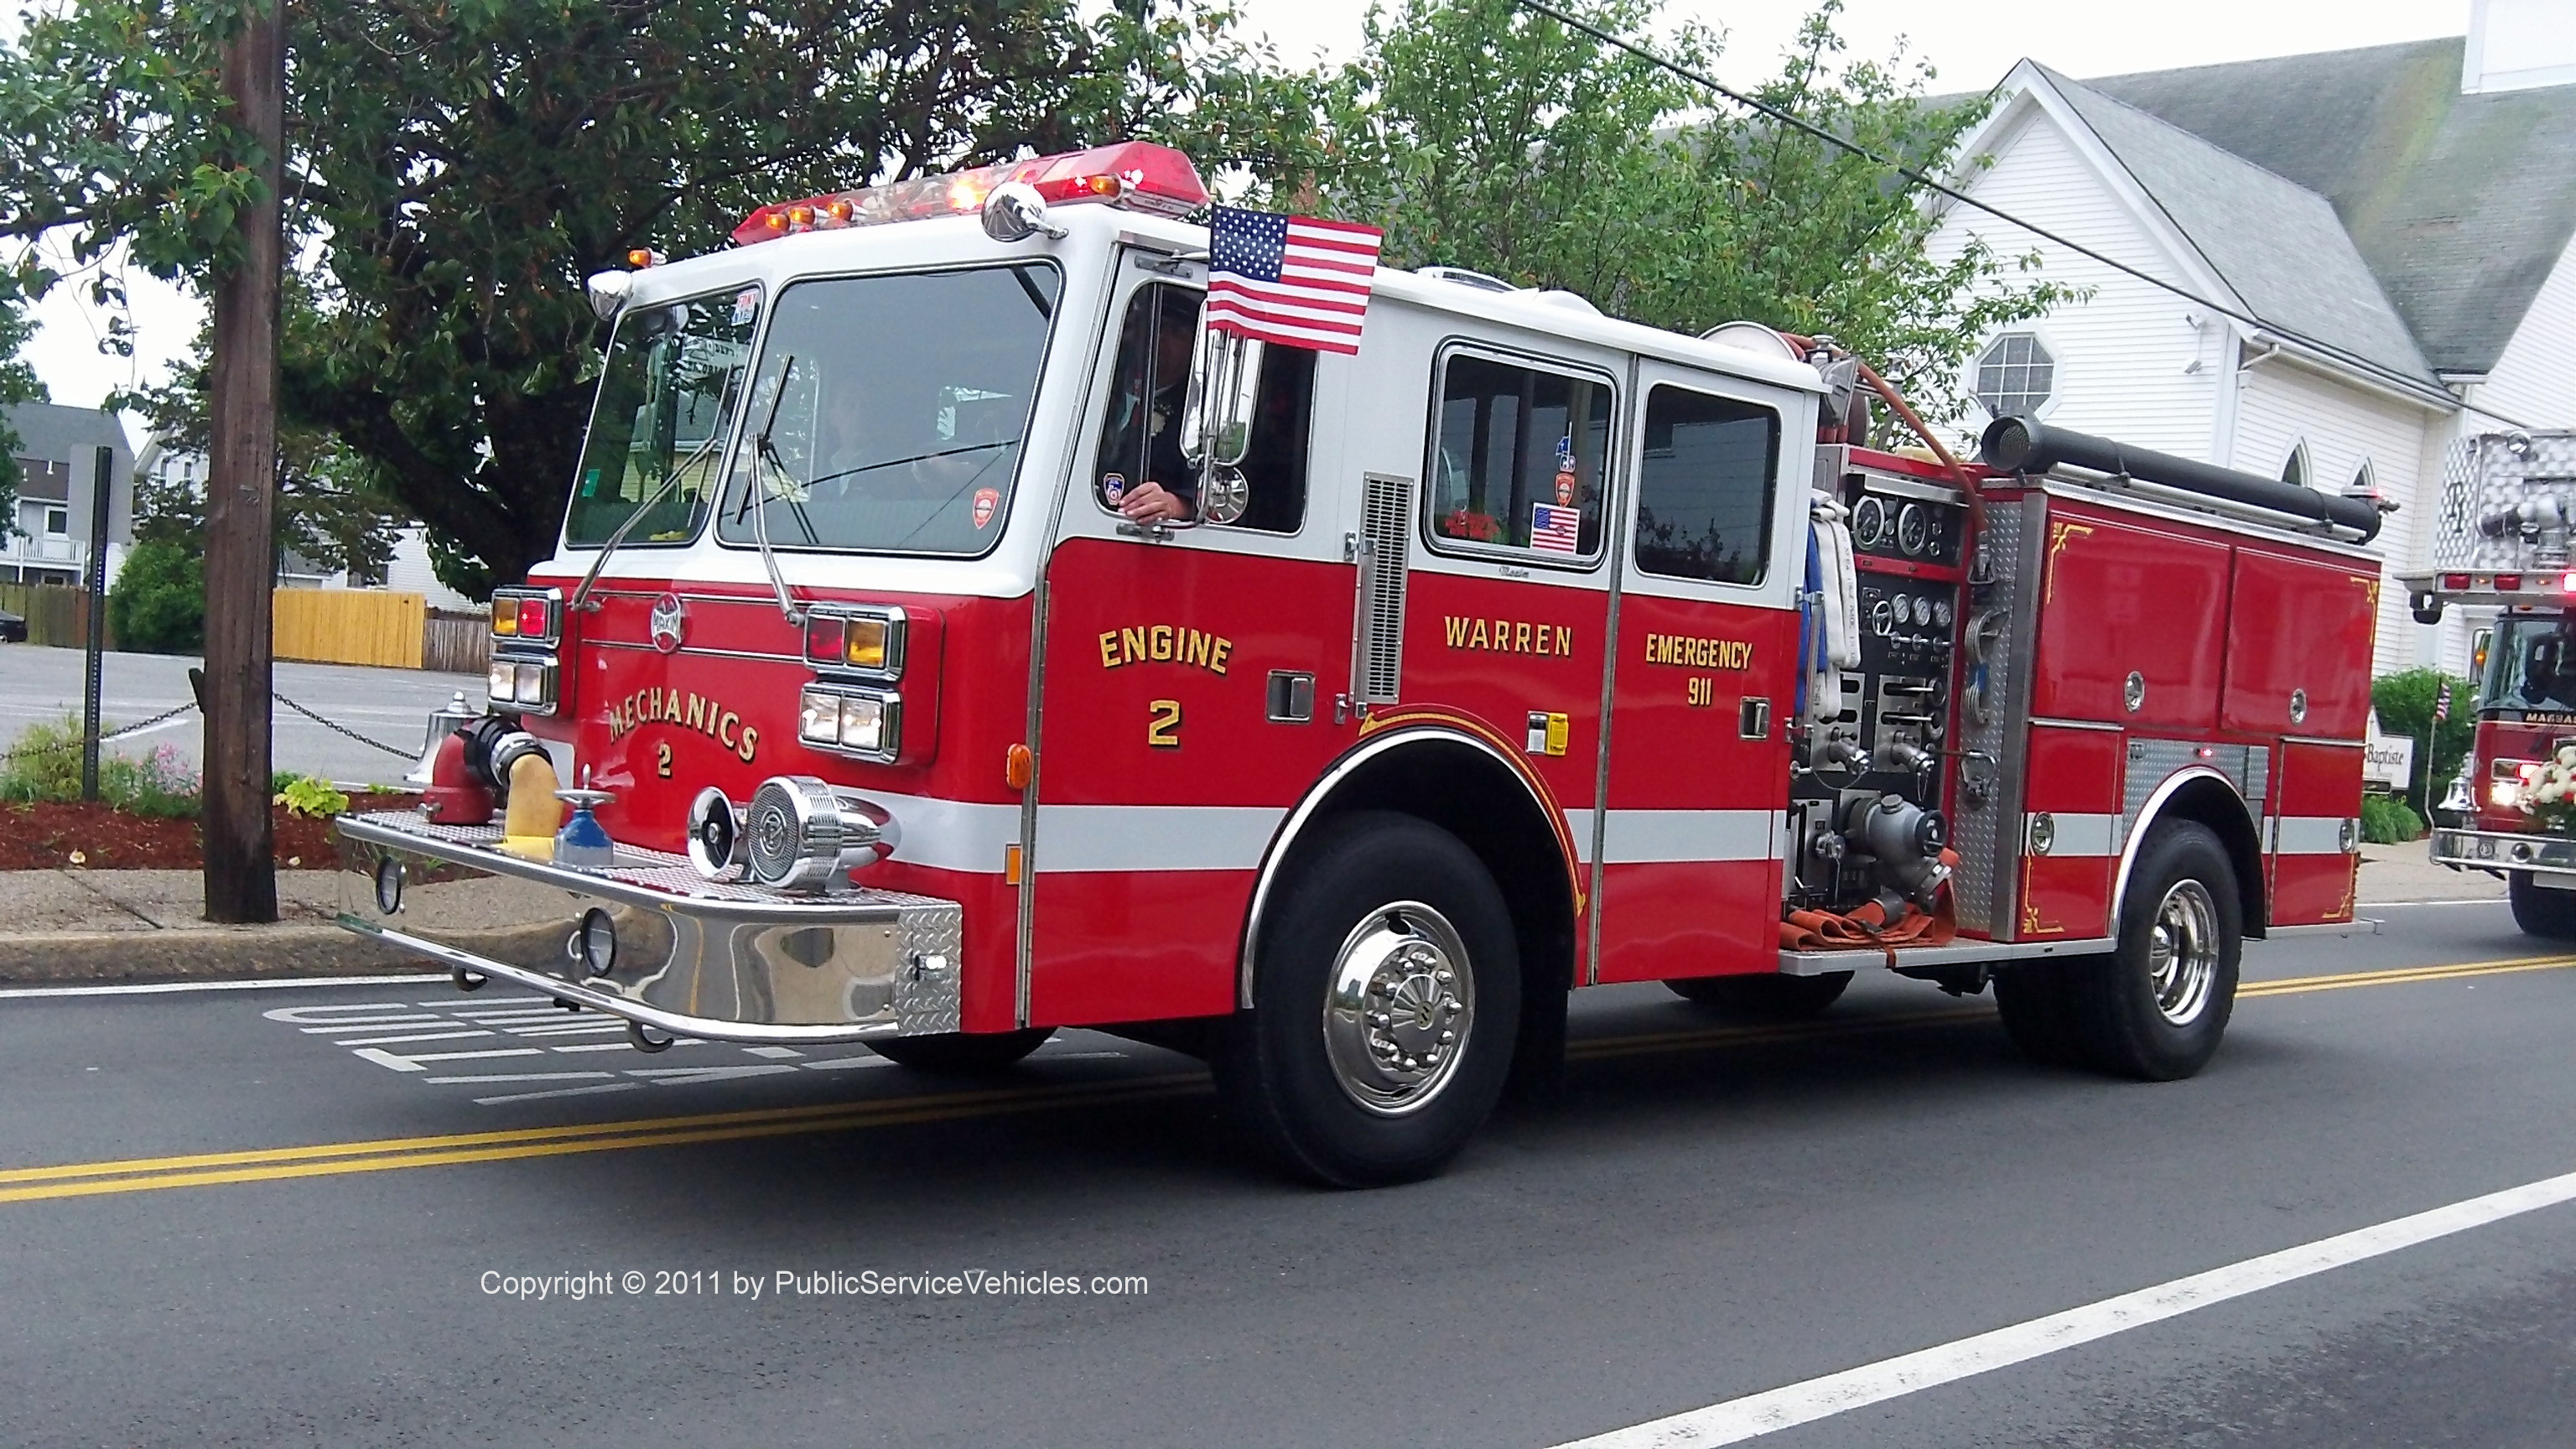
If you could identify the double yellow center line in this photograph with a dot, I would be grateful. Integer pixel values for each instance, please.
(214, 1169)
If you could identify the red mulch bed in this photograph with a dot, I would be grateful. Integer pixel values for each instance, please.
(44, 837)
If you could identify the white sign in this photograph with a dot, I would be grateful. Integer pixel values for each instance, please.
(2387, 761)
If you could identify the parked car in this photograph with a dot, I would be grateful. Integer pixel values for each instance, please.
(13, 629)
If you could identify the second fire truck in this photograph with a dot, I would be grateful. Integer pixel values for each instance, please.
(1524, 650)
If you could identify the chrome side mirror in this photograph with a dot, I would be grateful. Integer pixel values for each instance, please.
(608, 293)
(1015, 212)
(1216, 420)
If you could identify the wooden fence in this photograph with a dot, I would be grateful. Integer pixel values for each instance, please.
(456, 643)
(55, 615)
(350, 626)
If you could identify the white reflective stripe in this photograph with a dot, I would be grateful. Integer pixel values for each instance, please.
(1640, 837)
(1578, 823)
(2081, 835)
(2309, 835)
(951, 834)
(1154, 837)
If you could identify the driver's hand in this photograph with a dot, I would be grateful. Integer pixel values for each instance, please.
(1151, 502)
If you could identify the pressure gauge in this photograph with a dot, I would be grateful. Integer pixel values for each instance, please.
(1869, 521)
(1941, 614)
(1904, 609)
(1914, 528)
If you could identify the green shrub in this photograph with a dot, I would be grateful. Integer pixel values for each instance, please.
(2405, 704)
(305, 795)
(2385, 820)
(159, 602)
(44, 764)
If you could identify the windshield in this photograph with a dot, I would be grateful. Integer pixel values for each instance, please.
(666, 399)
(2531, 664)
(893, 409)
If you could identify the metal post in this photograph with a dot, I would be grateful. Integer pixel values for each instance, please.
(98, 505)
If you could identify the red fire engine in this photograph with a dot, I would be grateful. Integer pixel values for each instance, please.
(1522, 650)
(2503, 544)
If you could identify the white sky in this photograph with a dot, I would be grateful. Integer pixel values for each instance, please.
(1971, 42)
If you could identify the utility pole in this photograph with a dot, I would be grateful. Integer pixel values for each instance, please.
(241, 865)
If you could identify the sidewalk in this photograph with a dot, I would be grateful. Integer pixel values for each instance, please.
(2393, 873)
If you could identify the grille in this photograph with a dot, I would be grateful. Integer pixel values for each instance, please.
(1386, 527)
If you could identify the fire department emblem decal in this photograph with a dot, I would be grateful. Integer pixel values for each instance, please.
(986, 501)
(669, 620)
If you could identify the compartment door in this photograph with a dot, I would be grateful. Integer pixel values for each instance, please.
(2312, 843)
(2298, 646)
(1702, 681)
(2120, 601)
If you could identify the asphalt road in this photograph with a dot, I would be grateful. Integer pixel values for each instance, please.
(391, 706)
(1706, 1214)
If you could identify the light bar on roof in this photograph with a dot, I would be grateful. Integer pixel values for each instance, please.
(1136, 174)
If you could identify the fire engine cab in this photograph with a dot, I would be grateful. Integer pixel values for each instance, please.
(2503, 544)
(1521, 650)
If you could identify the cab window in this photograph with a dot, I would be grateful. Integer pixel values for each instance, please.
(1140, 437)
(1516, 460)
(1705, 487)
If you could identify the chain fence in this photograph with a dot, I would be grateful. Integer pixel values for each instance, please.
(109, 737)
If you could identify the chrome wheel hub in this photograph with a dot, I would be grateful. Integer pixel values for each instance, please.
(1398, 1008)
(2182, 952)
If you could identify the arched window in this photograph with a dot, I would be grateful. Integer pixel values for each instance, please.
(2015, 375)
(2365, 481)
(2295, 471)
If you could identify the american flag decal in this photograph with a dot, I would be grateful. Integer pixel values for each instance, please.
(1554, 529)
(1292, 280)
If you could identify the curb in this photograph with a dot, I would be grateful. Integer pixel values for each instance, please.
(193, 953)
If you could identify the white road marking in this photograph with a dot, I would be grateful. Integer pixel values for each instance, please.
(601, 1046)
(559, 1092)
(485, 1002)
(164, 988)
(1075, 1056)
(837, 1064)
(359, 1041)
(1755, 1415)
(384, 1058)
(302, 1015)
(372, 1023)
(526, 1077)
(683, 1076)
(779, 1053)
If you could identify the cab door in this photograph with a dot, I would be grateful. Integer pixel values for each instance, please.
(1187, 684)
(1702, 678)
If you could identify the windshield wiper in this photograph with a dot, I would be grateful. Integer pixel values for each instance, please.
(661, 490)
(764, 456)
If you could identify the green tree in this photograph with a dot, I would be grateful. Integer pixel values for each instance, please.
(18, 383)
(158, 604)
(457, 167)
(1484, 136)
(2405, 704)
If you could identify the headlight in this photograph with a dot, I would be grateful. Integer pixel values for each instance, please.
(867, 723)
(805, 835)
(2505, 795)
(503, 684)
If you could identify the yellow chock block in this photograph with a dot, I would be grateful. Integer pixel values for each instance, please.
(528, 829)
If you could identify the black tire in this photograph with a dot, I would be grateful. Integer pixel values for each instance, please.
(2113, 1001)
(961, 1054)
(2032, 1000)
(1276, 1072)
(2539, 910)
(1766, 997)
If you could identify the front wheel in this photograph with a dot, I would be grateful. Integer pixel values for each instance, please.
(2156, 1007)
(1387, 1001)
(961, 1054)
(2539, 910)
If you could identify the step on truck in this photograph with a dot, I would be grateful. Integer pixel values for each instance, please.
(1511, 651)
(2501, 551)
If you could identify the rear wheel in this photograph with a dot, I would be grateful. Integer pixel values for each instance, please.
(2156, 1007)
(2539, 910)
(1766, 997)
(1385, 1009)
(961, 1054)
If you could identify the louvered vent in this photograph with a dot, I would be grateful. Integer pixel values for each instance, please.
(1386, 525)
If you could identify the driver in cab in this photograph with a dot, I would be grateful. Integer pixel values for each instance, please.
(1144, 475)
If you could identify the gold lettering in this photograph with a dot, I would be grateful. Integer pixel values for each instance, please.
(1520, 638)
(724, 730)
(697, 715)
(1108, 648)
(1481, 639)
(1216, 655)
(1198, 648)
(750, 744)
(671, 705)
(1131, 645)
(1456, 629)
(1158, 643)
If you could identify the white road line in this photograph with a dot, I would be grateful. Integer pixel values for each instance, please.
(839, 1064)
(570, 1028)
(359, 1041)
(2480, 901)
(558, 1092)
(684, 1076)
(527, 1077)
(163, 988)
(1755, 1415)
(777, 1052)
(1074, 1056)
(488, 1001)
(368, 1023)
(384, 1058)
(601, 1046)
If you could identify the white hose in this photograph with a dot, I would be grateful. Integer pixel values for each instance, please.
(1837, 612)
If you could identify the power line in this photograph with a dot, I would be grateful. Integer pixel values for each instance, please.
(1807, 127)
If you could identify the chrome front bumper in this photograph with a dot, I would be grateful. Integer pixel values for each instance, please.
(2501, 850)
(693, 957)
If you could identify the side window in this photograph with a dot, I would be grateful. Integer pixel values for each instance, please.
(1706, 487)
(1516, 458)
(1140, 438)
